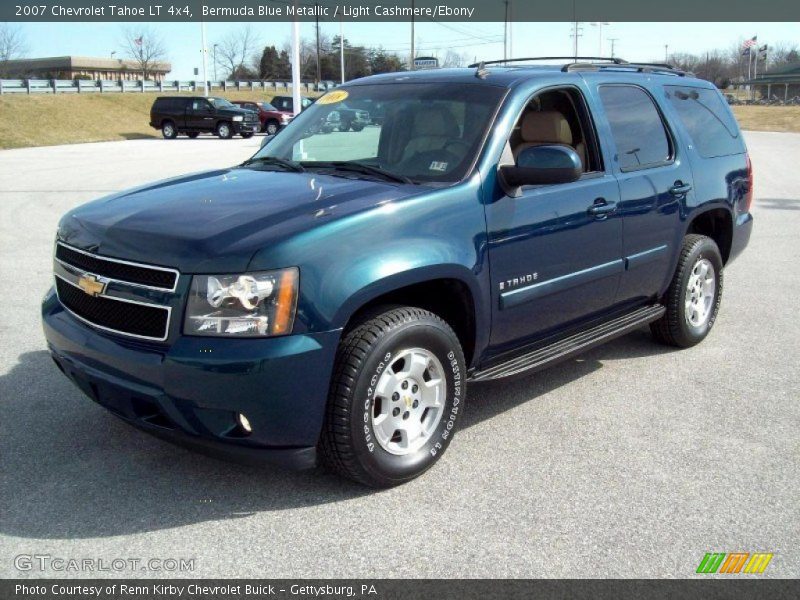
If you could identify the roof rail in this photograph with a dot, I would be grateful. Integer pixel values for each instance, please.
(612, 59)
(658, 68)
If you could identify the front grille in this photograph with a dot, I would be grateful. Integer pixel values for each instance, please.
(130, 318)
(124, 271)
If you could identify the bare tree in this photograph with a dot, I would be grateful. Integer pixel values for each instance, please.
(236, 49)
(12, 45)
(782, 53)
(454, 59)
(144, 46)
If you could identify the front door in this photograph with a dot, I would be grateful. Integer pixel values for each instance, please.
(556, 250)
(200, 115)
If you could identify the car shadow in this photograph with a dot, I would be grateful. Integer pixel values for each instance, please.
(778, 203)
(135, 135)
(70, 469)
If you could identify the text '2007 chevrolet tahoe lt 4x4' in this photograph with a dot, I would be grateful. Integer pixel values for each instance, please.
(330, 298)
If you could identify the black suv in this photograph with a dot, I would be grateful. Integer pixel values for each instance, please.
(194, 115)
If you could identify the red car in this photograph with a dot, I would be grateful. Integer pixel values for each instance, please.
(271, 118)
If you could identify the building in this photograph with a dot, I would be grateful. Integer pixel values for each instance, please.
(82, 67)
(783, 82)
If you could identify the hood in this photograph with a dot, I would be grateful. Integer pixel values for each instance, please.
(215, 221)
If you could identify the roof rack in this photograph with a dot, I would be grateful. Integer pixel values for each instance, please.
(611, 59)
(593, 63)
(657, 68)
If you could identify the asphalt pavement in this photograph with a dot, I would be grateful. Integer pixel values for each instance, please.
(633, 460)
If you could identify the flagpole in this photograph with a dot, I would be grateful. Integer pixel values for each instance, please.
(205, 62)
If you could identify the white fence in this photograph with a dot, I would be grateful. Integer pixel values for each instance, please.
(81, 86)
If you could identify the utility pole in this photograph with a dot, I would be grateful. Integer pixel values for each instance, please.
(341, 47)
(505, 32)
(613, 45)
(599, 25)
(319, 70)
(576, 33)
(205, 62)
(666, 53)
(411, 56)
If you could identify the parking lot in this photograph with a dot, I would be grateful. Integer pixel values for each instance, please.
(633, 460)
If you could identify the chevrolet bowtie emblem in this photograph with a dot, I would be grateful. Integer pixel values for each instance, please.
(90, 285)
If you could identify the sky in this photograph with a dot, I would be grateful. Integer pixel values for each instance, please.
(481, 41)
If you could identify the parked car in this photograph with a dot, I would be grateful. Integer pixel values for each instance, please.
(332, 301)
(194, 115)
(345, 119)
(270, 117)
(286, 103)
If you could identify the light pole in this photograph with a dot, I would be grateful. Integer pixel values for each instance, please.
(205, 60)
(599, 25)
(666, 53)
(576, 33)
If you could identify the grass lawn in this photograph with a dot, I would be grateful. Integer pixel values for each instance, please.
(47, 119)
(768, 118)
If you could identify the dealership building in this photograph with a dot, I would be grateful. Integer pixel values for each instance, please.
(83, 67)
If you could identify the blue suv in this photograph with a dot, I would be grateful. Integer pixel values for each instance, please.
(331, 298)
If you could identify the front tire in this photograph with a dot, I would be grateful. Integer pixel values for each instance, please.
(168, 130)
(271, 128)
(694, 296)
(224, 130)
(396, 396)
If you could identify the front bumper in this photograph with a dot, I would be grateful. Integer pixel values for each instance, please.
(242, 127)
(190, 392)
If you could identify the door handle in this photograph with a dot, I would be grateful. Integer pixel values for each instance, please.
(602, 208)
(680, 188)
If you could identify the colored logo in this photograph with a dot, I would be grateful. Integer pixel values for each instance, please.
(734, 562)
(91, 285)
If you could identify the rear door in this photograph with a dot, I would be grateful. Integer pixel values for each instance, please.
(655, 180)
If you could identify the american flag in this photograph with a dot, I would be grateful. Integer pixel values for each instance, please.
(750, 43)
(138, 41)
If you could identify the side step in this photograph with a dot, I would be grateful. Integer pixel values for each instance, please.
(572, 345)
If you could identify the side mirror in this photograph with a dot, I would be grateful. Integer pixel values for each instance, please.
(539, 165)
(266, 140)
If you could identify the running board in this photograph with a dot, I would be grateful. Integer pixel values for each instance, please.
(570, 346)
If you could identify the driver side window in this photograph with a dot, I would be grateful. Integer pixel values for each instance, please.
(557, 117)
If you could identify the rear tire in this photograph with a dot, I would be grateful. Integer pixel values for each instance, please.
(224, 130)
(694, 296)
(396, 396)
(168, 130)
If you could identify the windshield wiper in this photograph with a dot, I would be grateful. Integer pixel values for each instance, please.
(357, 167)
(289, 165)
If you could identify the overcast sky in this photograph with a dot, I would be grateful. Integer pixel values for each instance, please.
(635, 41)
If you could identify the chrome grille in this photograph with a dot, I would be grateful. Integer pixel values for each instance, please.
(105, 292)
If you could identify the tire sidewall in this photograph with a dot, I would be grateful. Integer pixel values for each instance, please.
(705, 249)
(271, 128)
(169, 126)
(384, 465)
(222, 127)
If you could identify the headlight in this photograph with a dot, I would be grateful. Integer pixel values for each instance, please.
(285, 118)
(250, 305)
(238, 118)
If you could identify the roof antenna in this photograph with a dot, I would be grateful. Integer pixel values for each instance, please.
(481, 72)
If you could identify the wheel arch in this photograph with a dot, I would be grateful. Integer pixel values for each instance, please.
(715, 222)
(449, 291)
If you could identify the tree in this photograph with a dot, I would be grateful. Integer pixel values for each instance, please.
(235, 49)
(145, 47)
(454, 59)
(381, 61)
(12, 45)
(269, 65)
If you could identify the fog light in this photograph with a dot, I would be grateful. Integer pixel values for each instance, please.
(245, 424)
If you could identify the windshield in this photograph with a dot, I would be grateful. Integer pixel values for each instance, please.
(425, 132)
(267, 106)
(221, 103)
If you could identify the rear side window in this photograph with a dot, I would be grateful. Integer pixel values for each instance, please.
(636, 127)
(707, 119)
